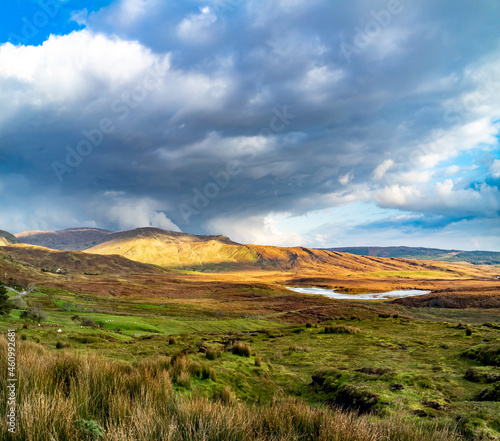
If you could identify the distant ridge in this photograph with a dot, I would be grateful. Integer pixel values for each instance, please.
(474, 257)
(71, 239)
(177, 250)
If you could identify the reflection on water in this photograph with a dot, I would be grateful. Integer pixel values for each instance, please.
(366, 296)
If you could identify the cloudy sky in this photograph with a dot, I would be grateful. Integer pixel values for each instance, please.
(313, 122)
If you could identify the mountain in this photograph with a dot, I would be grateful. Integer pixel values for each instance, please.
(175, 250)
(187, 251)
(72, 239)
(7, 238)
(474, 257)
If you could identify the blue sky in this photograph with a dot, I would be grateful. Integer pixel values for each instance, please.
(321, 123)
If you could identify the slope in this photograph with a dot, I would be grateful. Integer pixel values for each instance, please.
(186, 251)
(7, 238)
(175, 250)
(72, 239)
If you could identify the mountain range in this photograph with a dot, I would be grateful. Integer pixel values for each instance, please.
(175, 250)
(474, 257)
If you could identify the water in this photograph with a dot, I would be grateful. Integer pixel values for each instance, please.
(365, 296)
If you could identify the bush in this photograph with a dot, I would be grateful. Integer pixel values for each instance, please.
(172, 341)
(242, 349)
(34, 315)
(224, 395)
(85, 321)
(5, 304)
(468, 332)
(308, 325)
(341, 329)
(207, 373)
(212, 354)
(258, 361)
(62, 345)
(19, 303)
(383, 315)
(356, 398)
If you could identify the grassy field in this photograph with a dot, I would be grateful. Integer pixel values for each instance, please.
(403, 364)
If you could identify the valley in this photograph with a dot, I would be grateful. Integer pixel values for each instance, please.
(216, 320)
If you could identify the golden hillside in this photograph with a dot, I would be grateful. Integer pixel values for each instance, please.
(175, 250)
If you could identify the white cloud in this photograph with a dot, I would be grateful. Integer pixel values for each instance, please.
(196, 28)
(495, 168)
(259, 230)
(382, 168)
(345, 179)
(74, 66)
(127, 213)
(443, 198)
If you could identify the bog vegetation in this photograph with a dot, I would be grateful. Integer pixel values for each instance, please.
(66, 396)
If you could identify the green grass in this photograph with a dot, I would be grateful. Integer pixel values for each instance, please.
(423, 357)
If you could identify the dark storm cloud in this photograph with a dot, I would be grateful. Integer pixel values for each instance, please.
(258, 107)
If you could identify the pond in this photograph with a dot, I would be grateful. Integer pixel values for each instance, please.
(365, 296)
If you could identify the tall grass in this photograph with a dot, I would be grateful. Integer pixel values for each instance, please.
(63, 396)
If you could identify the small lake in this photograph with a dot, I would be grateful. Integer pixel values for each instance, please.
(365, 296)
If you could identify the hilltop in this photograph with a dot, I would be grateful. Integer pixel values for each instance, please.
(72, 239)
(7, 238)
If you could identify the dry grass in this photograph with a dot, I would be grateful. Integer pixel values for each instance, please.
(62, 396)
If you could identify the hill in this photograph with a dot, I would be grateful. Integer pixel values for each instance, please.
(175, 250)
(7, 238)
(186, 251)
(72, 239)
(474, 257)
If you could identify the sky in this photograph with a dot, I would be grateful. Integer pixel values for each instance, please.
(321, 123)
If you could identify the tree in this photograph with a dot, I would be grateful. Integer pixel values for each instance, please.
(5, 305)
(35, 315)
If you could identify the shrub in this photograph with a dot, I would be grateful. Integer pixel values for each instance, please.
(19, 303)
(61, 345)
(308, 325)
(207, 373)
(183, 380)
(224, 395)
(85, 321)
(172, 341)
(384, 315)
(341, 329)
(34, 315)
(468, 332)
(212, 354)
(243, 349)
(356, 398)
(258, 361)
(90, 429)
(5, 304)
